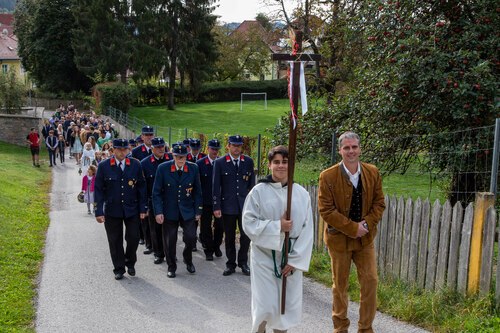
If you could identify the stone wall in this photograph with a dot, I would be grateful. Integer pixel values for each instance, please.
(14, 127)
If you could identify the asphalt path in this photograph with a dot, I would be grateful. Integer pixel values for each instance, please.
(78, 293)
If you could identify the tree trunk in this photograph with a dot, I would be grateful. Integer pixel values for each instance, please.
(123, 76)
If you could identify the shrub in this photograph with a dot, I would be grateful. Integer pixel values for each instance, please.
(12, 92)
(117, 95)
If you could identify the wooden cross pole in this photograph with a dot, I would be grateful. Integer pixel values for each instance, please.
(296, 57)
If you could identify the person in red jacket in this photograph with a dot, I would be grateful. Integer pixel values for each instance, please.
(34, 141)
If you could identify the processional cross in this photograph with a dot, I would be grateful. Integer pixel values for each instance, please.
(296, 87)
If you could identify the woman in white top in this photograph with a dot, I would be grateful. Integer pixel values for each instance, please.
(265, 224)
(88, 157)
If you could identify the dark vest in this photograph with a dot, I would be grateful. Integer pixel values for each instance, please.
(356, 211)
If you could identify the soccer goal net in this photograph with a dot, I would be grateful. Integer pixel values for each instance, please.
(253, 100)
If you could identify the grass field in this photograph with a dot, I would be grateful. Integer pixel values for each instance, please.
(209, 118)
(226, 117)
(24, 215)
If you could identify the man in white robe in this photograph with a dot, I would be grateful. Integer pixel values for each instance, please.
(265, 224)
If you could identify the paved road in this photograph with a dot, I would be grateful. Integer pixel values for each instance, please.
(78, 293)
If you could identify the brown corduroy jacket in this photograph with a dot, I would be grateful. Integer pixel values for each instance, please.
(334, 202)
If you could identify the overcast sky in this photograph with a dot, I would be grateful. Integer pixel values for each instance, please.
(239, 10)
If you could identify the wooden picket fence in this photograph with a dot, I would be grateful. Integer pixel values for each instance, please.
(428, 246)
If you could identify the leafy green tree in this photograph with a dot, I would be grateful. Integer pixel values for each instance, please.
(12, 92)
(421, 68)
(44, 44)
(242, 51)
(174, 37)
(431, 66)
(102, 36)
(198, 51)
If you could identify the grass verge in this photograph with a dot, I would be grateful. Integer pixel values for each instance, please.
(24, 215)
(443, 311)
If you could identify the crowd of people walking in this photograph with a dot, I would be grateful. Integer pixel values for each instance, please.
(144, 191)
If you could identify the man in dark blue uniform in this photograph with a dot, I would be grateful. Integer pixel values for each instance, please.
(132, 144)
(143, 150)
(149, 166)
(177, 201)
(120, 194)
(195, 154)
(211, 238)
(140, 152)
(233, 178)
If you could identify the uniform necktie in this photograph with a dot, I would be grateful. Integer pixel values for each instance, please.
(120, 165)
(179, 172)
(236, 164)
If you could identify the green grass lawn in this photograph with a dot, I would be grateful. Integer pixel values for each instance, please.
(24, 221)
(442, 311)
(210, 118)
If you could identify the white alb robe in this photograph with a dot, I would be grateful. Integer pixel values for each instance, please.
(263, 208)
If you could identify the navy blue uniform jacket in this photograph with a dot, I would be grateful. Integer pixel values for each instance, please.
(206, 176)
(149, 166)
(177, 197)
(118, 193)
(191, 158)
(140, 152)
(231, 185)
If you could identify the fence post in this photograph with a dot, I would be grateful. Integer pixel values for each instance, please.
(185, 133)
(170, 136)
(258, 155)
(496, 155)
(334, 148)
(484, 200)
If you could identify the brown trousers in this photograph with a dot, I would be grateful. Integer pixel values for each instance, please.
(364, 259)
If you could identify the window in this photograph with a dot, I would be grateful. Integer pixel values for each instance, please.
(5, 68)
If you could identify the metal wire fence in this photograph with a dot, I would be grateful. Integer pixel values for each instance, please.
(445, 165)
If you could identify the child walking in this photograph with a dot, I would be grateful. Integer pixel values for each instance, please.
(88, 188)
(62, 147)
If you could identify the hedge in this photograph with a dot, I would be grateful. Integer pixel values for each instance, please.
(213, 92)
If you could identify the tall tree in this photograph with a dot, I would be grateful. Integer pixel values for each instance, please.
(102, 36)
(179, 36)
(431, 66)
(42, 28)
(246, 50)
(198, 51)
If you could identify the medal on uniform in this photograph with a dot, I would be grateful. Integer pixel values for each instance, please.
(188, 191)
(131, 183)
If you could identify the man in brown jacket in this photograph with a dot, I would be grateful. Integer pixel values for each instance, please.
(351, 202)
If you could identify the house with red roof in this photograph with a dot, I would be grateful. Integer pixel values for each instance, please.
(9, 59)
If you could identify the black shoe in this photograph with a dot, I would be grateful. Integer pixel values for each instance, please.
(210, 257)
(228, 271)
(171, 274)
(148, 250)
(190, 268)
(141, 241)
(158, 260)
(118, 276)
(245, 269)
(194, 249)
(218, 252)
(131, 271)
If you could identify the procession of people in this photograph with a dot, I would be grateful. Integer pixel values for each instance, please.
(144, 191)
